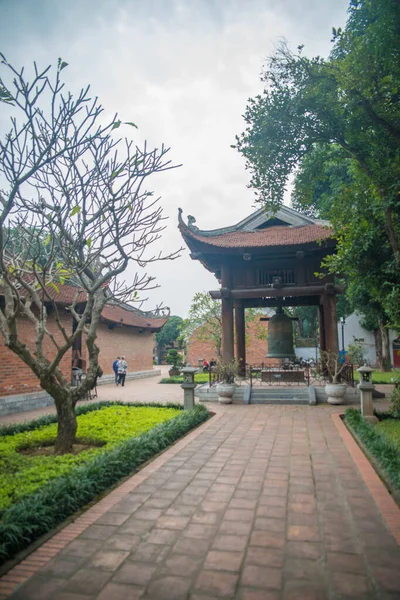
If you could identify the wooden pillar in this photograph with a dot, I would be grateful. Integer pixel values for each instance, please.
(240, 336)
(321, 327)
(227, 313)
(330, 323)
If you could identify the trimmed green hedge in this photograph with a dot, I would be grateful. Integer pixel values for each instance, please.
(381, 448)
(38, 513)
(199, 378)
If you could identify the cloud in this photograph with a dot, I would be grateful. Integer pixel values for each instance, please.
(182, 70)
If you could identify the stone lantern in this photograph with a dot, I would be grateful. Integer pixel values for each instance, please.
(366, 388)
(188, 386)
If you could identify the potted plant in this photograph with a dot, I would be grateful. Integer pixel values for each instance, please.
(174, 359)
(226, 373)
(335, 390)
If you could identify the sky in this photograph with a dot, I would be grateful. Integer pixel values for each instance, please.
(182, 70)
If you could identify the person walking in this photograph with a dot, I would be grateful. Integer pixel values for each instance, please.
(122, 369)
(115, 368)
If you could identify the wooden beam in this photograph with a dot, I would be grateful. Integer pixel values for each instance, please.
(291, 301)
(283, 292)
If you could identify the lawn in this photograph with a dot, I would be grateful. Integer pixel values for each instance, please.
(37, 492)
(390, 429)
(22, 474)
(382, 376)
(199, 378)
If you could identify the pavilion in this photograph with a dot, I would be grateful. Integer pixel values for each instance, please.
(267, 260)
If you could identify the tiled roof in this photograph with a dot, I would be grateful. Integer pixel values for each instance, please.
(117, 314)
(66, 294)
(281, 235)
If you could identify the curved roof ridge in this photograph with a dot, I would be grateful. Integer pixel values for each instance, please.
(252, 223)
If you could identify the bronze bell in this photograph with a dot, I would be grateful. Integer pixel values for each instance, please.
(280, 336)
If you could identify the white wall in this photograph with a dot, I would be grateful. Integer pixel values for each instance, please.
(306, 353)
(354, 332)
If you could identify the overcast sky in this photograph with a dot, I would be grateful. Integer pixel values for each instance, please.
(182, 70)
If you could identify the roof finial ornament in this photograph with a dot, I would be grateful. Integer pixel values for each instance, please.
(191, 222)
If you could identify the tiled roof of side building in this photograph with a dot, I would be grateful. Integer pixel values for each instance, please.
(271, 236)
(117, 314)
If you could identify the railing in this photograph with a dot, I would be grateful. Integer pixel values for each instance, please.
(287, 374)
(347, 375)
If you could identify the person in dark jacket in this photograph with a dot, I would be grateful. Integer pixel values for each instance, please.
(115, 368)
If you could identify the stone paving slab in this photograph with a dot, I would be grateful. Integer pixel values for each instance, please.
(260, 503)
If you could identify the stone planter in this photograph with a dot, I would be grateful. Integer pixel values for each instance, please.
(174, 372)
(225, 392)
(335, 392)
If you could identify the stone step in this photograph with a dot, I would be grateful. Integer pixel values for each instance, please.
(279, 401)
(280, 396)
(275, 394)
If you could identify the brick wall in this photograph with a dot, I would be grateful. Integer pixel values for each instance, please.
(15, 376)
(136, 347)
(256, 349)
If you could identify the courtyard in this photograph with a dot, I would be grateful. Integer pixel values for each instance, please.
(260, 502)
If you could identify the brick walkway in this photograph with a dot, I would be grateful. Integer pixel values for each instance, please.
(260, 503)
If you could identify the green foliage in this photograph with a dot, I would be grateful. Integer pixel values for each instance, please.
(390, 428)
(381, 447)
(39, 512)
(356, 353)
(394, 407)
(199, 378)
(336, 123)
(170, 332)
(204, 321)
(22, 475)
(173, 358)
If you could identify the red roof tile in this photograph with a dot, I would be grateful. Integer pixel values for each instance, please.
(117, 314)
(281, 235)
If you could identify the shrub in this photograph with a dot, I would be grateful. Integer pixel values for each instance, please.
(356, 353)
(39, 512)
(382, 449)
(173, 358)
(394, 407)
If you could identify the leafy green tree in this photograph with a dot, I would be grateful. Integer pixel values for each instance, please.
(78, 198)
(349, 101)
(205, 322)
(169, 334)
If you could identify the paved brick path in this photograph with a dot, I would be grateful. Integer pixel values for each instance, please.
(261, 503)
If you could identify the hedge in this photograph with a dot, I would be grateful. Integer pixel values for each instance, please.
(35, 515)
(382, 449)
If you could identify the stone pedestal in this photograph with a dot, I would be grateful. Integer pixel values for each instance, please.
(366, 388)
(188, 386)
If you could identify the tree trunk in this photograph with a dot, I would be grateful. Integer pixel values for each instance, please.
(67, 425)
(378, 348)
(385, 347)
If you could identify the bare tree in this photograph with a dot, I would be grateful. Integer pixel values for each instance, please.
(74, 210)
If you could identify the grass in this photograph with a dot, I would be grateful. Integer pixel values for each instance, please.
(382, 447)
(199, 378)
(125, 450)
(22, 474)
(382, 376)
(390, 429)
